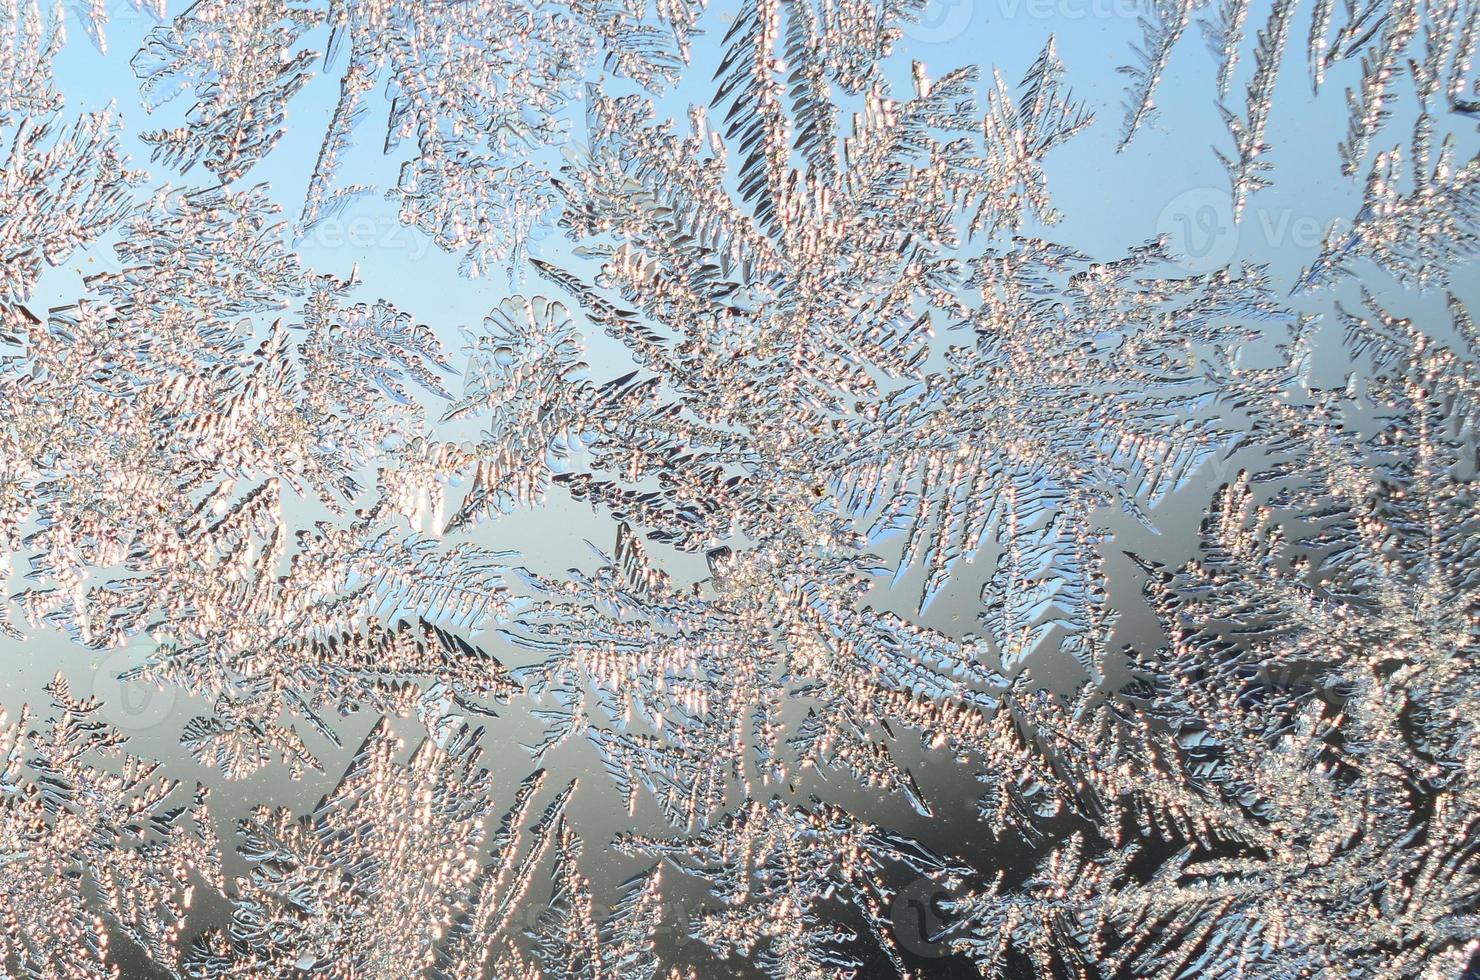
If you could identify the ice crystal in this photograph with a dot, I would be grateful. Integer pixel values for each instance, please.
(752, 432)
(194, 513)
(63, 188)
(408, 837)
(466, 183)
(1385, 36)
(1305, 702)
(1419, 236)
(62, 184)
(780, 435)
(94, 845)
(1162, 26)
(774, 317)
(888, 616)
(524, 374)
(708, 675)
(570, 941)
(29, 44)
(945, 459)
(1248, 133)
(776, 869)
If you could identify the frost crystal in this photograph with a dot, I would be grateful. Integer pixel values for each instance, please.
(1386, 37)
(516, 67)
(776, 869)
(1306, 701)
(193, 513)
(94, 843)
(62, 184)
(390, 836)
(1419, 236)
(905, 640)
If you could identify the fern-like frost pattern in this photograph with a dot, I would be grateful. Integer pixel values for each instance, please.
(821, 552)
